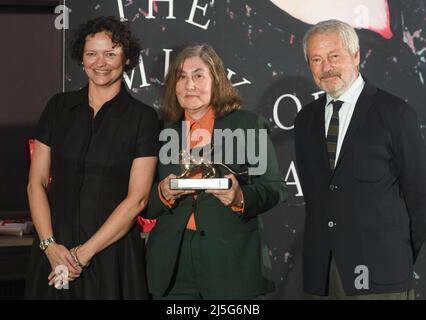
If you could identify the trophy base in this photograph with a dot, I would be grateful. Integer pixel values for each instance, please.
(200, 184)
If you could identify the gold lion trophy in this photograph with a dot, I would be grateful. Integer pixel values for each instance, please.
(207, 177)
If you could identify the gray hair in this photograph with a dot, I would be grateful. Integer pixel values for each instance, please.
(347, 34)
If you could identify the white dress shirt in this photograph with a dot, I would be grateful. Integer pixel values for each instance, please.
(349, 98)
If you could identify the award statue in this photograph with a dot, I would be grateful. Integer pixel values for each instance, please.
(200, 174)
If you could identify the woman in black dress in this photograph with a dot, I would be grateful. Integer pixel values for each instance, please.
(91, 173)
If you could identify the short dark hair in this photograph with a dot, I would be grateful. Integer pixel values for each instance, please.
(120, 34)
(225, 98)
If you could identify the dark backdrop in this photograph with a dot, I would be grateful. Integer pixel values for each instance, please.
(261, 46)
(30, 64)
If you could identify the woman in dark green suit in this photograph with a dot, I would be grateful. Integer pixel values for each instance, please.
(207, 245)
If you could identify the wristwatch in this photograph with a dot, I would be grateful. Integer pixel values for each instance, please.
(46, 242)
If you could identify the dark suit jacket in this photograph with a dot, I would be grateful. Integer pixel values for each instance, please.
(231, 244)
(371, 210)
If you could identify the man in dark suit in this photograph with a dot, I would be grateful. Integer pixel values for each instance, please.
(362, 166)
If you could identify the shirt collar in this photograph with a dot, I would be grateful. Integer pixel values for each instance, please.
(205, 121)
(81, 98)
(350, 95)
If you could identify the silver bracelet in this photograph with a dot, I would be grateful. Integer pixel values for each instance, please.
(46, 242)
(75, 257)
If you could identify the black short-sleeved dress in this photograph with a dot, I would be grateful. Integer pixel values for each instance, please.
(90, 169)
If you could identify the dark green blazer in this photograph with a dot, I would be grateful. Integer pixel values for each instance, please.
(235, 266)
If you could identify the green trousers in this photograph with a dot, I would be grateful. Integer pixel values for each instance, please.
(188, 276)
(186, 279)
(336, 291)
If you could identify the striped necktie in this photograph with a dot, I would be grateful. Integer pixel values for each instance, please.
(333, 133)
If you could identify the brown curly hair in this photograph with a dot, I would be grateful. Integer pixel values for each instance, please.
(120, 34)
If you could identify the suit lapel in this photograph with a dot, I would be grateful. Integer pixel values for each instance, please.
(361, 109)
(319, 132)
(173, 168)
(221, 124)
